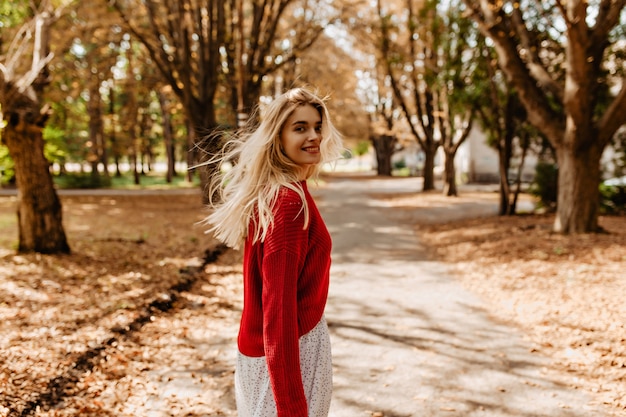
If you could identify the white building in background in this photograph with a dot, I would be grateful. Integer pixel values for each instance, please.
(476, 162)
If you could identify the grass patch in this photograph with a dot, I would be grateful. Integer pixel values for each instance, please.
(125, 181)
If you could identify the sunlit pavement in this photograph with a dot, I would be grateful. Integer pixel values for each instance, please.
(410, 341)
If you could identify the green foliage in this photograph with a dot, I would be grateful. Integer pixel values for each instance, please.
(399, 164)
(612, 199)
(55, 147)
(619, 160)
(362, 148)
(13, 12)
(544, 186)
(7, 171)
(125, 182)
(152, 181)
(82, 180)
(53, 150)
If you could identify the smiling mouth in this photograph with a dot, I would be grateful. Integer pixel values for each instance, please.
(312, 149)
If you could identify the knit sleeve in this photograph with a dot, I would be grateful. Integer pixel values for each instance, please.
(285, 249)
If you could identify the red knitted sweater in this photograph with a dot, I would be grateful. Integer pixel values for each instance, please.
(285, 290)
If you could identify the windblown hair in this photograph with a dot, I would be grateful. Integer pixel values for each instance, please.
(246, 193)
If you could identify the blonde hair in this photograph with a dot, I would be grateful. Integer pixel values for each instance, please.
(247, 192)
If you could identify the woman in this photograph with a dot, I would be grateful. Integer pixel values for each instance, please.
(284, 360)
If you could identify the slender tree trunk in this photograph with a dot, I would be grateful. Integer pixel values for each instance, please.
(192, 152)
(449, 179)
(505, 189)
(39, 209)
(112, 137)
(143, 147)
(429, 168)
(168, 138)
(518, 182)
(201, 118)
(135, 163)
(95, 129)
(104, 155)
(384, 146)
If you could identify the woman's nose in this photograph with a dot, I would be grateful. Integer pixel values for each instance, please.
(314, 134)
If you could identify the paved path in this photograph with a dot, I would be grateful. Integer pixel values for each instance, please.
(410, 341)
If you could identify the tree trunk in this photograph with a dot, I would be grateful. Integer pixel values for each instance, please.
(429, 168)
(96, 135)
(589, 117)
(192, 152)
(503, 167)
(201, 118)
(39, 209)
(449, 178)
(168, 138)
(578, 194)
(112, 137)
(135, 163)
(518, 182)
(384, 146)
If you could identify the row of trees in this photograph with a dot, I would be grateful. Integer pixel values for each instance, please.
(210, 57)
(552, 70)
(131, 70)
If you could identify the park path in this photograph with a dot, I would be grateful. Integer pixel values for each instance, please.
(407, 339)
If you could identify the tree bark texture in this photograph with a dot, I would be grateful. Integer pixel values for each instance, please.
(170, 150)
(97, 153)
(578, 194)
(39, 212)
(449, 180)
(384, 145)
(39, 209)
(429, 165)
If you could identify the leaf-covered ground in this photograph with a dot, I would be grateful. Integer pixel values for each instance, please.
(139, 308)
(565, 292)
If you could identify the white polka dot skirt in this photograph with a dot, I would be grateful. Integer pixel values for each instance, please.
(252, 382)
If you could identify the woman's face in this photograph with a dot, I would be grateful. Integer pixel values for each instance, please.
(301, 136)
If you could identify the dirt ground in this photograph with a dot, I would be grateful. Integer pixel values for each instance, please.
(100, 332)
(140, 302)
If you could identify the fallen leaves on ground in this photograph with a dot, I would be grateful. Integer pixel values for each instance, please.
(565, 292)
(69, 343)
(70, 324)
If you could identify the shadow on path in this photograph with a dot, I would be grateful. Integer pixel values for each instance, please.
(407, 339)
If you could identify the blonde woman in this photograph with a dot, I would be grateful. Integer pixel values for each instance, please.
(284, 360)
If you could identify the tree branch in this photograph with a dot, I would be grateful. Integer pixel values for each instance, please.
(614, 117)
(608, 16)
(18, 47)
(159, 57)
(531, 48)
(27, 80)
(469, 123)
(497, 27)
